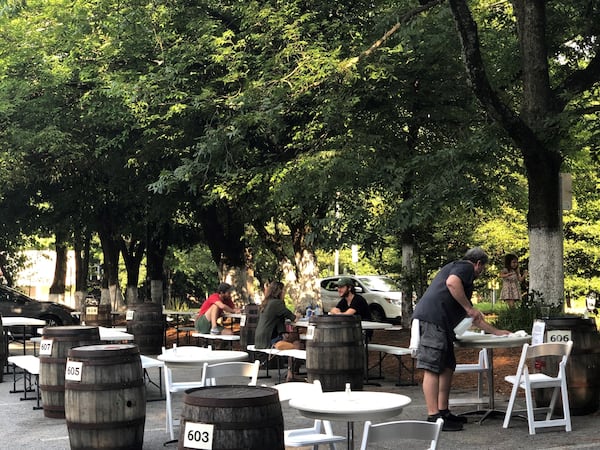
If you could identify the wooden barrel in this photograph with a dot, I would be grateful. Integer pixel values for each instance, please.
(147, 324)
(336, 354)
(53, 358)
(583, 367)
(248, 325)
(3, 350)
(105, 397)
(96, 314)
(231, 417)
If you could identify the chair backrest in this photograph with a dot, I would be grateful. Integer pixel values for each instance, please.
(212, 374)
(402, 430)
(483, 358)
(293, 389)
(529, 352)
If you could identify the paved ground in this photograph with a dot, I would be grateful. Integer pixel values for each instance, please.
(24, 428)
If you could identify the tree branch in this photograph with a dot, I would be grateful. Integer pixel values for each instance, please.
(578, 81)
(504, 115)
(408, 16)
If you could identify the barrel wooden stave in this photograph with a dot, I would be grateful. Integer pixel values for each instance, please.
(248, 331)
(97, 314)
(336, 354)
(3, 349)
(583, 367)
(52, 367)
(244, 417)
(147, 327)
(107, 408)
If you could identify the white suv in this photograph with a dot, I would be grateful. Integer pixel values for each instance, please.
(382, 294)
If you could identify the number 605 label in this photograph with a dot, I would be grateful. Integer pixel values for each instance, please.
(198, 435)
(73, 370)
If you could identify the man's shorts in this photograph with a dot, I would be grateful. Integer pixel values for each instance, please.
(436, 350)
(202, 325)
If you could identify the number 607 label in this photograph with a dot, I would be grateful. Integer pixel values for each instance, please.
(198, 435)
(73, 370)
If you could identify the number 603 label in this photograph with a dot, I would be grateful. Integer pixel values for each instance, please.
(198, 435)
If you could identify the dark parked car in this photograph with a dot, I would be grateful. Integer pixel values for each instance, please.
(15, 303)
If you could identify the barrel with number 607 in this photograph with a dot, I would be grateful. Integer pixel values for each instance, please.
(54, 347)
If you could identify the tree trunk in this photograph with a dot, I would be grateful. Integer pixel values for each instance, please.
(82, 263)
(57, 289)
(305, 290)
(224, 233)
(531, 134)
(408, 277)
(132, 250)
(111, 292)
(158, 242)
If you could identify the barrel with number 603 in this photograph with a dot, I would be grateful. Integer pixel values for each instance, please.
(231, 417)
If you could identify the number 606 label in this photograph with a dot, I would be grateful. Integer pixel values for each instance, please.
(73, 370)
(198, 435)
(558, 335)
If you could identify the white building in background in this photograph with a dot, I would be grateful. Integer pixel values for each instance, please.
(36, 278)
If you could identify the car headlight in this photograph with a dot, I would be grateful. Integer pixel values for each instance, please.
(393, 301)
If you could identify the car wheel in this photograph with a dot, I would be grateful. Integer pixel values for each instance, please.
(377, 314)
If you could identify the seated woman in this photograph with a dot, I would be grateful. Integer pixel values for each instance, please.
(273, 314)
(270, 328)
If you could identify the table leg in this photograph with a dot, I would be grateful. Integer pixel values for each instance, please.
(367, 382)
(350, 436)
(24, 339)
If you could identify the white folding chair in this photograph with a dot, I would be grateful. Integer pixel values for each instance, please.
(172, 387)
(403, 430)
(321, 432)
(481, 368)
(229, 370)
(530, 381)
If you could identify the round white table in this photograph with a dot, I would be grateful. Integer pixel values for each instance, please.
(489, 342)
(351, 407)
(196, 356)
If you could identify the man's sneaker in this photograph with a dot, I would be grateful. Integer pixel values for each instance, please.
(454, 418)
(449, 425)
(215, 331)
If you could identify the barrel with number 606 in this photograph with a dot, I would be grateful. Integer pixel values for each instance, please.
(231, 417)
(583, 367)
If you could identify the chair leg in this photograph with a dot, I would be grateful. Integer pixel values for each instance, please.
(553, 401)
(566, 406)
(530, 414)
(511, 405)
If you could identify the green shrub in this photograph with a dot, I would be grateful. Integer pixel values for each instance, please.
(524, 314)
(489, 308)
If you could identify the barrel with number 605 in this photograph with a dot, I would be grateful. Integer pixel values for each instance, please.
(105, 397)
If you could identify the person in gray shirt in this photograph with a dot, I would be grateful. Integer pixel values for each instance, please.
(445, 303)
